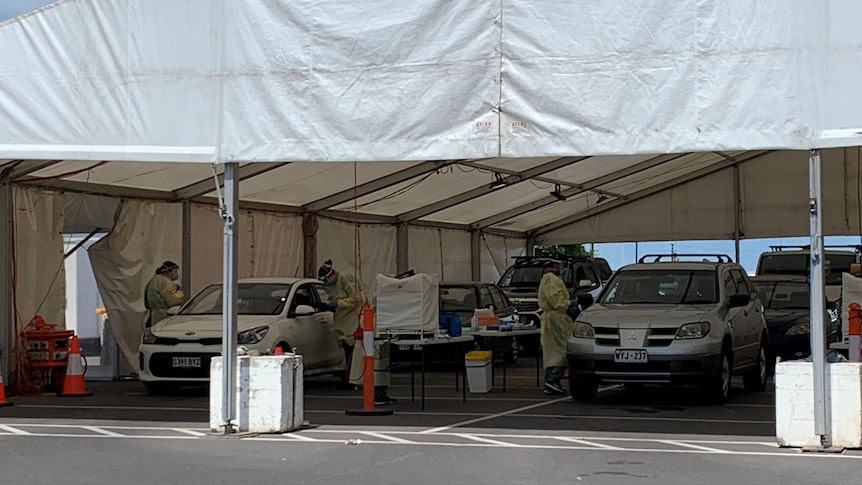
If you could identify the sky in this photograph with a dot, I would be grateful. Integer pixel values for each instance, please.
(11, 8)
(616, 254)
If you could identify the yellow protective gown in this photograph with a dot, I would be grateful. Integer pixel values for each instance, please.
(160, 294)
(351, 299)
(556, 325)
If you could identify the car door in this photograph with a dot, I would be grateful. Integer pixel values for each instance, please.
(331, 353)
(751, 313)
(302, 330)
(736, 319)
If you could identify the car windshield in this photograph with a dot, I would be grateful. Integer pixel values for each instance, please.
(783, 295)
(523, 275)
(797, 264)
(252, 299)
(661, 287)
(457, 299)
(605, 271)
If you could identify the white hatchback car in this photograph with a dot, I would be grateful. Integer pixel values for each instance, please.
(272, 312)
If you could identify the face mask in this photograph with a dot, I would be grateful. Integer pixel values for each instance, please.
(327, 283)
(176, 276)
(564, 272)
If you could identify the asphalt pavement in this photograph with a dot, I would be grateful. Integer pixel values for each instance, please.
(658, 435)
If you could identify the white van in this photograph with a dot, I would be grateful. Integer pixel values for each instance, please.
(796, 260)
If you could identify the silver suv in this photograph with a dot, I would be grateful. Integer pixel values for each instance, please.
(671, 322)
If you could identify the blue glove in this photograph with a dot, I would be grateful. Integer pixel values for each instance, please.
(332, 305)
(573, 302)
(179, 287)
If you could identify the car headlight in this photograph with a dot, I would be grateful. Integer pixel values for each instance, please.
(583, 330)
(800, 329)
(148, 338)
(252, 336)
(693, 330)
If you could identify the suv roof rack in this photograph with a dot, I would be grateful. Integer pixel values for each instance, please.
(721, 258)
(807, 247)
(559, 257)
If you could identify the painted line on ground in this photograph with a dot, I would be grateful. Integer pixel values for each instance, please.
(14, 431)
(189, 432)
(383, 436)
(298, 437)
(647, 418)
(587, 443)
(131, 408)
(439, 398)
(495, 416)
(693, 446)
(105, 432)
(487, 440)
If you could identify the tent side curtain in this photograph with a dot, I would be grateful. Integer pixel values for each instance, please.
(375, 246)
(773, 202)
(497, 253)
(442, 252)
(39, 283)
(146, 233)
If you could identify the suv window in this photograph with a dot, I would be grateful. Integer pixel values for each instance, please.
(605, 270)
(661, 287)
(500, 300)
(729, 284)
(741, 281)
(485, 297)
(798, 263)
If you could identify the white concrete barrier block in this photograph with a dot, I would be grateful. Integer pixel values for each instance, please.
(794, 404)
(270, 394)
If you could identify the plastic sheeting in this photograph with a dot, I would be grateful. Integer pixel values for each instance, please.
(167, 80)
(377, 248)
(146, 233)
(39, 272)
(408, 305)
(270, 244)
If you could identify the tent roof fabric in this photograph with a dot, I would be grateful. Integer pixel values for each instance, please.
(648, 111)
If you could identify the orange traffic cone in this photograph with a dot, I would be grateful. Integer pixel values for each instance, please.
(3, 402)
(73, 384)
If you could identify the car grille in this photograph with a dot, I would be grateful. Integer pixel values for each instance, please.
(161, 365)
(656, 337)
(176, 341)
(527, 306)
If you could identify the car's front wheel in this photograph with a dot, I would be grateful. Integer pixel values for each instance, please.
(718, 388)
(755, 379)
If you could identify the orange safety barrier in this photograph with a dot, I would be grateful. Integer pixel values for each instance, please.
(3, 402)
(368, 407)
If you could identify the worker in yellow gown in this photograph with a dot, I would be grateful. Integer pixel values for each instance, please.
(554, 301)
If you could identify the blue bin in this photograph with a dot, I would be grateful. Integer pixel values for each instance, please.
(451, 322)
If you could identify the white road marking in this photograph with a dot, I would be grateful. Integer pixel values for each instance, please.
(386, 437)
(693, 446)
(14, 431)
(495, 416)
(134, 408)
(189, 432)
(298, 437)
(101, 431)
(486, 440)
(647, 418)
(587, 443)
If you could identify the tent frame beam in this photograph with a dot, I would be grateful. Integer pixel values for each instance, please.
(206, 186)
(376, 185)
(16, 169)
(6, 267)
(469, 195)
(591, 185)
(670, 184)
(547, 180)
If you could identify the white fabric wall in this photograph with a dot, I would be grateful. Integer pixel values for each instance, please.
(336, 240)
(497, 253)
(145, 234)
(39, 270)
(270, 244)
(440, 251)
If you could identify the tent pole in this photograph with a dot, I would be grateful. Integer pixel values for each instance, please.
(822, 405)
(6, 230)
(476, 255)
(737, 208)
(187, 248)
(231, 287)
(402, 248)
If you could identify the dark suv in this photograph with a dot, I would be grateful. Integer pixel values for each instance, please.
(521, 281)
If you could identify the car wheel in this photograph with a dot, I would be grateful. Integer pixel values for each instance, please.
(511, 357)
(755, 379)
(159, 388)
(718, 388)
(583, 389)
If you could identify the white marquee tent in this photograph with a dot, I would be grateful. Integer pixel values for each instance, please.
(446, 125)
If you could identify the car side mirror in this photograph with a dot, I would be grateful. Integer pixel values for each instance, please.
(173, 310)
(304, 310)
(738, 300)
(585, 284)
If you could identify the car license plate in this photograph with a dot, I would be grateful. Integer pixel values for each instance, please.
(636, 356)
(187, 362)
